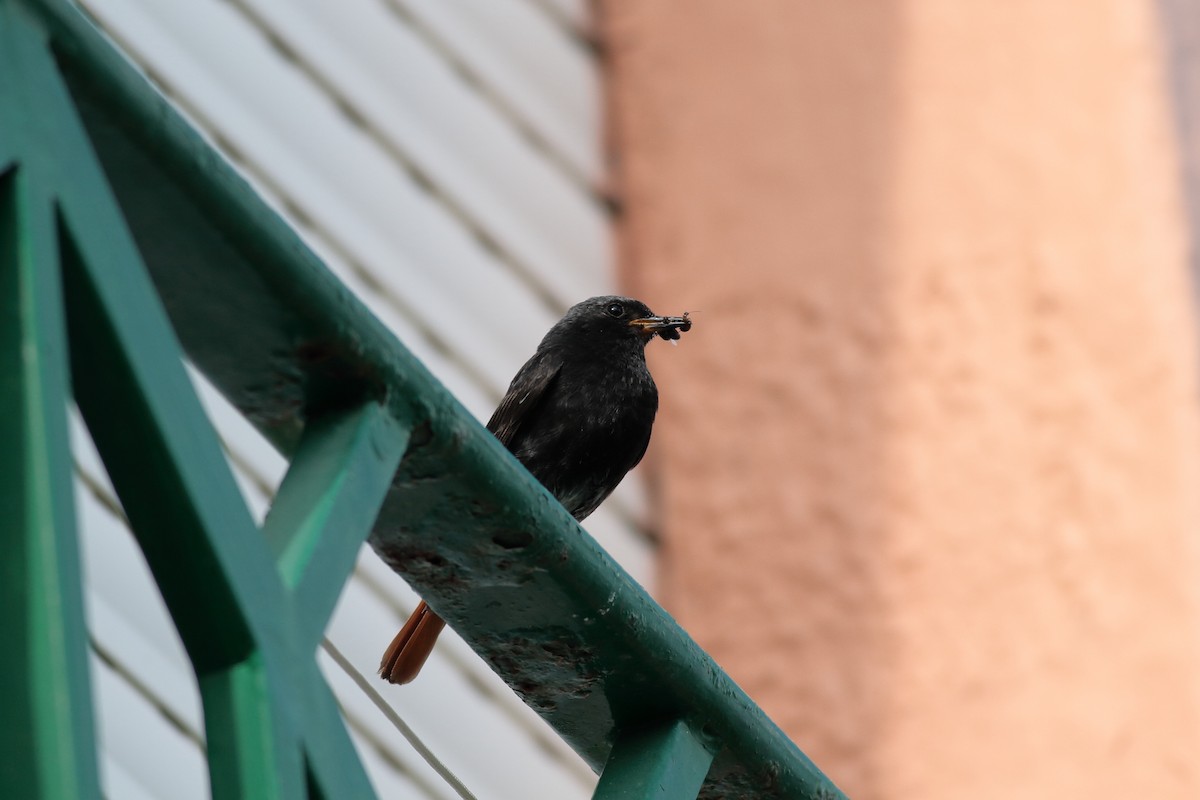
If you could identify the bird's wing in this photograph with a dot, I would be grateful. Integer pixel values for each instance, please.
(525, 394)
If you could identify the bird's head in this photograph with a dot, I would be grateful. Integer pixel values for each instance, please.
(615, 318)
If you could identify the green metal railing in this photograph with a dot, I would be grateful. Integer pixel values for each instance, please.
(126, 242)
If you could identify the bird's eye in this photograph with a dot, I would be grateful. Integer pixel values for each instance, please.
(615, 309)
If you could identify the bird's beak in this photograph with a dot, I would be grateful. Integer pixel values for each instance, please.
(666, 327)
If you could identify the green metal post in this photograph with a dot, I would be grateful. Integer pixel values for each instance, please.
(329, 498)
(46, 728)
(663, 762)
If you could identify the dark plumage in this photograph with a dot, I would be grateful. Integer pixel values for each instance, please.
(578, 415)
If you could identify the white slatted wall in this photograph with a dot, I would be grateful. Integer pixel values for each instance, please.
(441, 156)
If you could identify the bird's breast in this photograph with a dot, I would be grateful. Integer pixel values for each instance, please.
(593, 430)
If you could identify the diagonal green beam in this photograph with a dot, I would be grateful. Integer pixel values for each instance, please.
(46, 727)
(661, 762)
(326, 506)
(264, 697)
(157, 445)
(216, 572)
(253, 751)
(176, 489)
(334, 768)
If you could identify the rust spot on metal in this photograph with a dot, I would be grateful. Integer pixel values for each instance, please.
(422, 434)
(315, 351)
(512, 540)
(544, 665)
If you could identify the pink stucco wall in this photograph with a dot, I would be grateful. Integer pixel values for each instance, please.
(928, 465)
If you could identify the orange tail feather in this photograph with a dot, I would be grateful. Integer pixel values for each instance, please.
(407, 653)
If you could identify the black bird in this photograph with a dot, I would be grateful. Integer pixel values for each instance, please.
(578, 415)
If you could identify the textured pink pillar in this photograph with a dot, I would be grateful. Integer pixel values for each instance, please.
(929, 462)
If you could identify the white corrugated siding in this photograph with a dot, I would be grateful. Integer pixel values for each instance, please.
(442, 157)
